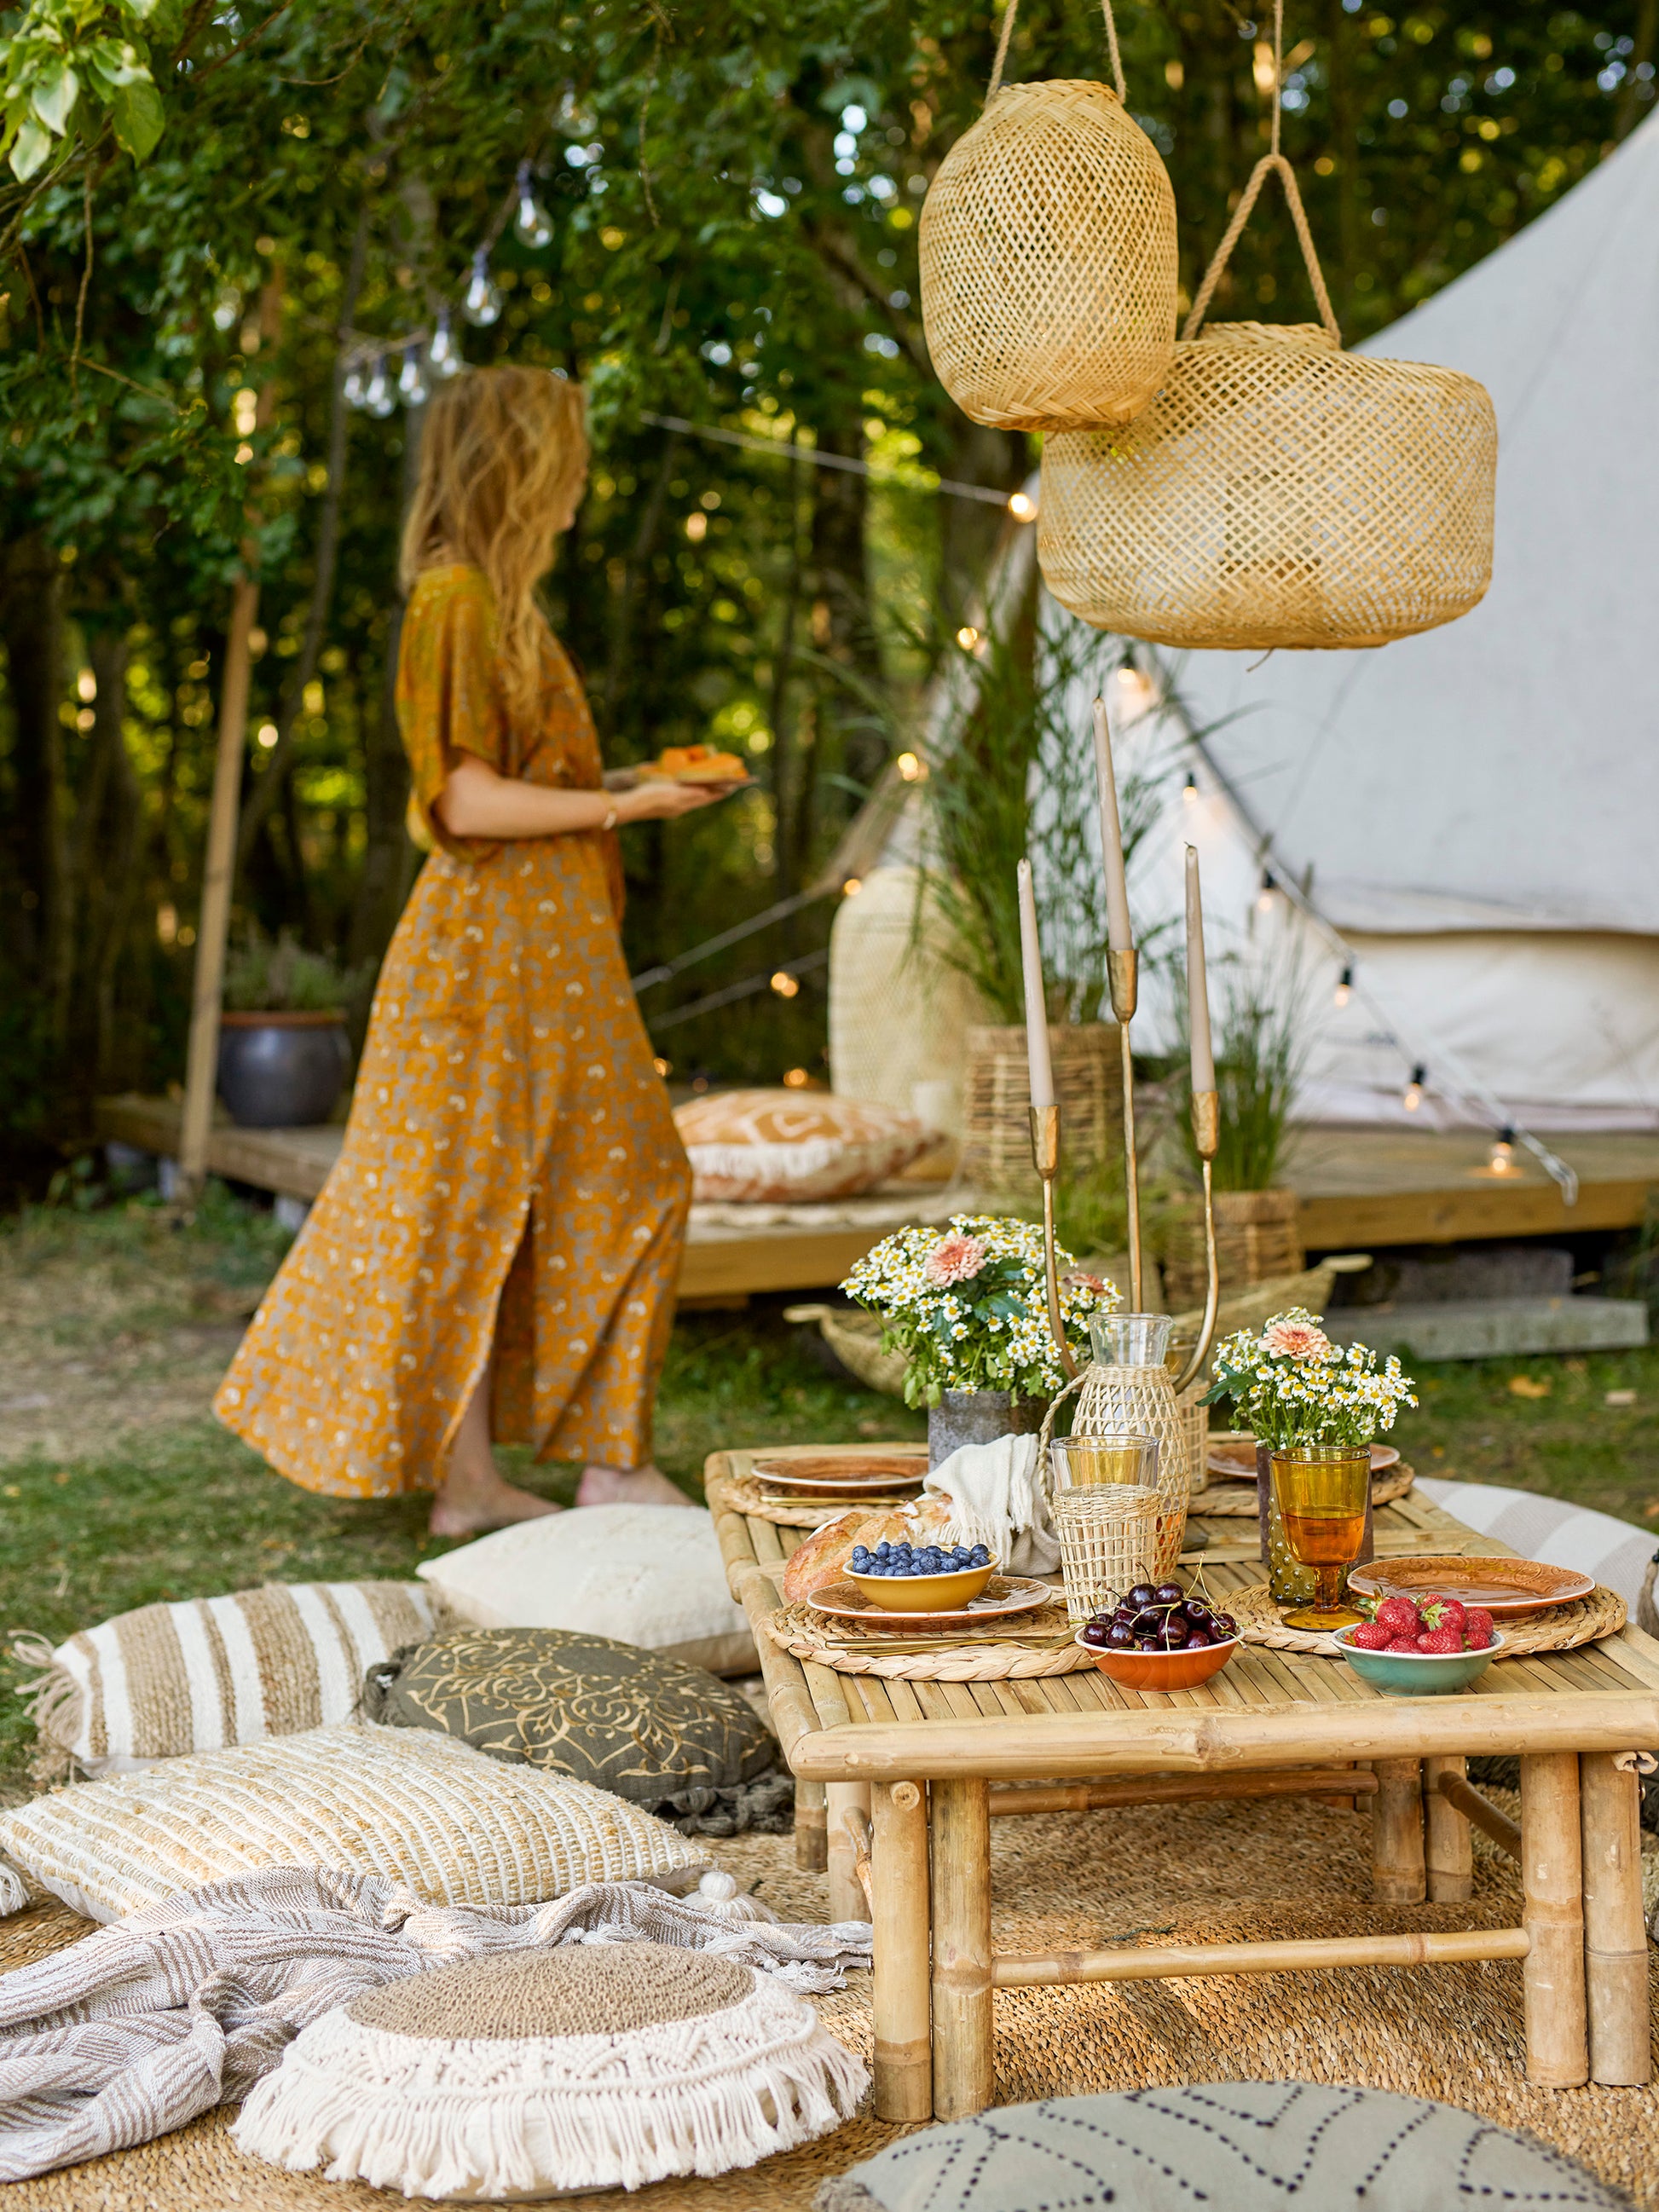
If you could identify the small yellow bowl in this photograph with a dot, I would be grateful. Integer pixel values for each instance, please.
(923, 1593)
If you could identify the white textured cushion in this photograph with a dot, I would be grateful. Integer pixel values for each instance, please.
(460, 1828)
(650, 1575)
(789, 1146)
(206, 1673)
(1617, 1552)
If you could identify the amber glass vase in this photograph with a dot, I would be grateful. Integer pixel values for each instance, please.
(1321, 1492)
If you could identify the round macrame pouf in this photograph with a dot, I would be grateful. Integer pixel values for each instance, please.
(535, 2073)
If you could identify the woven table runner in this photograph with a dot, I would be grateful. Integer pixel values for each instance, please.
(741, 1493)
(985, 1655)
(1563, 1629)
(1238, 1500)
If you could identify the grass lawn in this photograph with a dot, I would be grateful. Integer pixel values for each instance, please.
(117, 1487)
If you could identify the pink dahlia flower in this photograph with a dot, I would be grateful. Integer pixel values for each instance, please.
(954, 1260)
(1296, 1340)
(1081, 1280)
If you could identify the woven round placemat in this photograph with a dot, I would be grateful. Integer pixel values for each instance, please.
(741, 1493)
(807, 1634)
(1602, 1613)
(1236, 1501)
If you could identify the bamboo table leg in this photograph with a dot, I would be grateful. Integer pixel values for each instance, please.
(1398, 1876)
(902, 1998)
(1615, 1933)
(1450, 1857)
(964, 2068)
(847, 1898)
(1552, 1914)
(811, 1837)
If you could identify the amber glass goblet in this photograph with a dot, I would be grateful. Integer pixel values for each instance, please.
(1321, 1492)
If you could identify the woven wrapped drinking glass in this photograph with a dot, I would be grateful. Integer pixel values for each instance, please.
(1277, 492)
(1047, 250)
(1109, 1535)
(1143, 1400)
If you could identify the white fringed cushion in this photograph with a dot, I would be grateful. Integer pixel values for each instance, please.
(649, 1574)
(590, 2066)
(787, 1147)
(456, 1826)
(164, 1680)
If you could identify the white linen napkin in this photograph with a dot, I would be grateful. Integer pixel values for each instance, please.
(997, 1499)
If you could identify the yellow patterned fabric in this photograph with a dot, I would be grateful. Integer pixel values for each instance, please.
(510, 1149)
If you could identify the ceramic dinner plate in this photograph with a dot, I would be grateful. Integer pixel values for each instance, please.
(1236, 1462)
(826, 1475)
(1510, 1590)
(1003, 1593)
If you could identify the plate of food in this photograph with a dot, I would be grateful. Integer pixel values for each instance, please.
(696, 764)
(1233, 1457)
(1508, 1590)
(1001, 1595)
(830, 1475)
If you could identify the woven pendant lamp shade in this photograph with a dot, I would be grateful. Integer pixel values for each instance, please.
(1277, 492)
(1047, 250)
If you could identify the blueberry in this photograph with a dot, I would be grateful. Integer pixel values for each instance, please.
(882, 1548)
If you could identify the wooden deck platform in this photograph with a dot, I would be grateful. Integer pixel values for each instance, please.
(1360, 1189)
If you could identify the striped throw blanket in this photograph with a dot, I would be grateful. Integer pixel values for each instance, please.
(186, 2005)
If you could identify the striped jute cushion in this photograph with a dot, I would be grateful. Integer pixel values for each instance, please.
(164, 1680)
(455, 1825)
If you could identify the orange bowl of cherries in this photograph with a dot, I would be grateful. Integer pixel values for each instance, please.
(1160, 1638)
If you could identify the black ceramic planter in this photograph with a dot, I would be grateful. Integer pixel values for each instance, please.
(282, 1070)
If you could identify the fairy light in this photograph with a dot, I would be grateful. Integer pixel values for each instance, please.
(1344, 990)
(1022, 507)
(483, 303)
(1502, 1153)
(1412, 1097)
(1265, 898)
(967, 637)
(796, 1079)
(1189, 789)
(786, 985)
(911, 768)
(851, 888)
(443, 355)
(379, 399)
(532, 226)
(412, 388)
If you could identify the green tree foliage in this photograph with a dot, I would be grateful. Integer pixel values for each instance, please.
(233, 204)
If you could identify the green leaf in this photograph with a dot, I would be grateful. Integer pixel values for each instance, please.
(54, 96)
(29, 149)
(139, 119)
(117, 64)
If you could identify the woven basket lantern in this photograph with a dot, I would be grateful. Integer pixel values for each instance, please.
(1279, 491)
(1048, 249)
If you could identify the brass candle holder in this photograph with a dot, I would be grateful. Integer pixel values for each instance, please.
(1045, 1157)
(1123, 976)
(1207, 1136)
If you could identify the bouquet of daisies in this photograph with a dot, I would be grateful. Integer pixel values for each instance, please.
(1290, 1385)
(967, 1307)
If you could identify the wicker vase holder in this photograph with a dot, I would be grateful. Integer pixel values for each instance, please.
(1257, 1237)
(1047, 252)
(1142, 1401)
(996, 1138)
(1278, 491)
(1112, 1535)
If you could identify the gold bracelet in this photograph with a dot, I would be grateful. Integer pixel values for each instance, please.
(609, 821)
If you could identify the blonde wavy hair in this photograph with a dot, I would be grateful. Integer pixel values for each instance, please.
(502, 457)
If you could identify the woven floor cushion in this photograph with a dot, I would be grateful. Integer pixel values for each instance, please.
(530, 2074)
(650, 1575)
(423, 1808)
(1618, 1553)
(673, 1738)
(1237, 2146)
(794, 1146)
(164, 1680)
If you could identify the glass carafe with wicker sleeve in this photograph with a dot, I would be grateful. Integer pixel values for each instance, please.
(1128, 1388)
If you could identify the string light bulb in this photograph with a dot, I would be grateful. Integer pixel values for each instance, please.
(379, 398)
(1413, 1093)
(483, 303)
(352, 390)
(411, 382)
(443, 355)
(532, 226)
(1502, 1153)
(785, 984)
(1189, 789)
(1264, 900)
(1344, 990)
(1022, 507)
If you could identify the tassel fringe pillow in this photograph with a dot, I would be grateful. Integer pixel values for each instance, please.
(794, 1147)
(585, 2068)
(166, 1680)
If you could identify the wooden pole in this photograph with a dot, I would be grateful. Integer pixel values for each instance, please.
(1615, 1933)
(1153, 1962)
(1398, 1875)
(847, 1898)
(902, 1998)
(1450, 1851)
(213, 925)
(1551, 1881)
(811, 1833)
(1485, 1815)
(964, 2072)
(1176, 1789)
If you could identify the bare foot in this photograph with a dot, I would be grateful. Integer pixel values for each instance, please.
(627, 1486)
(470, 1504)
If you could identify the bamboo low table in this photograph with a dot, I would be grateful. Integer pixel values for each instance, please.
(912, 1773)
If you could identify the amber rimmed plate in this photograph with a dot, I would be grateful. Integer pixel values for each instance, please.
(831, 1474)
(1233, 1457)
(1510, 1590)
(1003, 1593)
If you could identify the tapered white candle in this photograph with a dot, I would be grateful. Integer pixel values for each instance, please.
(1197, 994)
(1036, 1011)
(1119, 935)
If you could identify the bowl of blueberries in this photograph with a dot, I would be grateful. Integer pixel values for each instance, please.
(1160, 1638)
(907, 1577)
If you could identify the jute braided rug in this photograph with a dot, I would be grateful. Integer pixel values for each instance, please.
(1176, 1874)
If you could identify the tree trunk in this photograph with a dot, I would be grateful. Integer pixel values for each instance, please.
(104, 847)
(32, 625)
(389, 858)
(842, 630)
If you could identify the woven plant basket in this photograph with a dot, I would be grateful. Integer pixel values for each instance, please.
(996, 1138)
(1256, 1238)
(1048, 249)
(1278, 491)
(1112, 1535)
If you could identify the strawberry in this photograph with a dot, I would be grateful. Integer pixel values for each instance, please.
(1443, 1641)
(1420, 1642)
(1445, 1612)
(1370, 1636)
(1477, 1621)
(1403, 1644)
(1399, 1616)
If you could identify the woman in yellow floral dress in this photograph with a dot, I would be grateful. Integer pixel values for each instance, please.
(495, 1252)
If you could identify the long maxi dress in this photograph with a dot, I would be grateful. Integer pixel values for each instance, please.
(510, 1163)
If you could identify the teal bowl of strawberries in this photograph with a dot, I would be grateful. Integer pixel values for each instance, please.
(1426, 1649)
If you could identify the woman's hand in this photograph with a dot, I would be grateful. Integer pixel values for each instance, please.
(659, 800)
